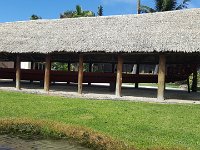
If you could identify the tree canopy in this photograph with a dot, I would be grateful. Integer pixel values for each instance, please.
(35, 17)
(165, 5)
(77, 13)
(100, 11)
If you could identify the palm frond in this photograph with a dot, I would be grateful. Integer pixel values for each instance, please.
(183, 5)
(158, 5)
(146, 9)
(186, 1)
(169, 5)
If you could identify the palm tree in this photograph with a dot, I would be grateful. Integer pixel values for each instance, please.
(165, 5)
(35, 17)
(78, 13)
(100, 11)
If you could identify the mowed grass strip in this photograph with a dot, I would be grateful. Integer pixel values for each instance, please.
(144, 125)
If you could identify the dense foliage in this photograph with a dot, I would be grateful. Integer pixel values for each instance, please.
(165, 5)
(77, 13)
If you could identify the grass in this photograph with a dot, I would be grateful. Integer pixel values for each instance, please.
(144, 125)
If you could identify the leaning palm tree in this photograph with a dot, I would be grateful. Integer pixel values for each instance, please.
(165, 5)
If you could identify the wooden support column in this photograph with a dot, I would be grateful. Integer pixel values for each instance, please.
(68, 66)
(14, 80)
(32, 66)
(47, 73)
(80, 74)
(137, 73)
(194, 81)
(113, 67)
(188, 84)
(18, 72)
(113, 83)
(118, 91)
(68, 69)
(90, 70)
(161, 77)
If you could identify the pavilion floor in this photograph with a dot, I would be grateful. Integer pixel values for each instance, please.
(102, 91)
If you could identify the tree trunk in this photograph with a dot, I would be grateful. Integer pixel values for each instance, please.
(138, 7)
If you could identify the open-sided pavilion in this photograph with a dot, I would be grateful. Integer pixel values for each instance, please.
(166, 39)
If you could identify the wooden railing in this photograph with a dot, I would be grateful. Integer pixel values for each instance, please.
(89, 77)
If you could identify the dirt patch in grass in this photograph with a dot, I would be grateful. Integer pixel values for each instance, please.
(34, 129)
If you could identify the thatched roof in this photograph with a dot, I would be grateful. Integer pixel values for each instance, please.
(177, 31)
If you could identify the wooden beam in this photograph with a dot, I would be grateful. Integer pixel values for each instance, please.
(80, 74)
(118, 91)
(47, 73)
(194, 80)
(161, 77)
(18, 72)
(137, 73)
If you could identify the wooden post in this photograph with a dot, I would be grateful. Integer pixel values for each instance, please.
(118, 91)
(161, 77)
(137, 73)
(80, 74)
(47, 73)
(188, 84)
(113, 67)
(68, 66)
(90, 70)
(113, 83)
(68, 69)
(194, 81)
(32, 66)
(18, 72)
(14, 80)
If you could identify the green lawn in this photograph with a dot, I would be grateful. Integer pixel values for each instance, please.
(141, 124)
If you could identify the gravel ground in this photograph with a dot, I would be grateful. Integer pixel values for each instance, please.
(102, 92)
